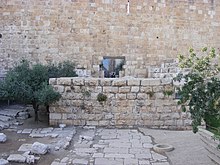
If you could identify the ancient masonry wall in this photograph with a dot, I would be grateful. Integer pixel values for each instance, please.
(130, 103)
(84, 31)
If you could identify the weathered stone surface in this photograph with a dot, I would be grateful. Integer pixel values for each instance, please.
(133, 82)
(39, 148)
(3, 137)
(64, 81)
(143, 98)
(119, 82)
(25, 147)
(3, 162)
(150, 82)
(5, 118)
(16, 158)
(30, 159)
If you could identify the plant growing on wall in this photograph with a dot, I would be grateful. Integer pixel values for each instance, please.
(201, 90)
(29, 84)
(150, 93)
(86, 94)
(101, 98)
(168, 92)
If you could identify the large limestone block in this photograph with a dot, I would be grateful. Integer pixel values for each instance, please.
(119, 82)
(3, 137)
(134, 82)
(106, 82)
(64, 81)
(16, 158)
(124, 89)
(52, 81)
(3, 162)
(150, 82)
(39, 148)
(91, 82)
(55, 116)
(110, 89)
(78, 81)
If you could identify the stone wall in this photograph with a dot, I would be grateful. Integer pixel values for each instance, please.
(84, 31)
(130, 102)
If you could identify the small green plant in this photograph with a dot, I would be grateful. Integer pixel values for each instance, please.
(150, 93)
(217, 137)
(101, 97)
(86, 94)
(168, 92)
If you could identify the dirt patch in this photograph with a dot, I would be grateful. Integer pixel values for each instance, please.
(15, 140)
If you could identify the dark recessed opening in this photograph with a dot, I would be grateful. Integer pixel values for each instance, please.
(0, 35)
(112, 66)
(157, 37)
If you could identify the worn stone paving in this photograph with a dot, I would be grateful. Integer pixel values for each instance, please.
(10, 116)
(111, 147)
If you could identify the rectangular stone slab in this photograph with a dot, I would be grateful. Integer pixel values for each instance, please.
(25, 147)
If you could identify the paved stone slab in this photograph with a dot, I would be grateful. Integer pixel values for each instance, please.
(80, 161)
(158, 157)
(57, 163)
(120, 150)
(26, 131)
(37, 135)
(106, 161)
(161, 163)
(112, 147)
(130, 161)
(189, 149)
(46, 130)
(25, 147)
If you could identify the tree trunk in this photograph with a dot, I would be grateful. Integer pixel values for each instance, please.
(48, 107)
(35, 106)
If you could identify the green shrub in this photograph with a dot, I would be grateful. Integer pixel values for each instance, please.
(201, 90)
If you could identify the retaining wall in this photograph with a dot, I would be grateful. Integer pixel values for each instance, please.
(130, 102)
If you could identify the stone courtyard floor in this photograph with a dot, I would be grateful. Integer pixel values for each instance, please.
(112, 147)
(99, 146)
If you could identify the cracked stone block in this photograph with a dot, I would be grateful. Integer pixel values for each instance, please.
(16, 158)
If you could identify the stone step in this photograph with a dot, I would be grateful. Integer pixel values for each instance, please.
(214, 159)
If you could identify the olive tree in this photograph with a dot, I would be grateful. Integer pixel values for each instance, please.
(29, 84)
